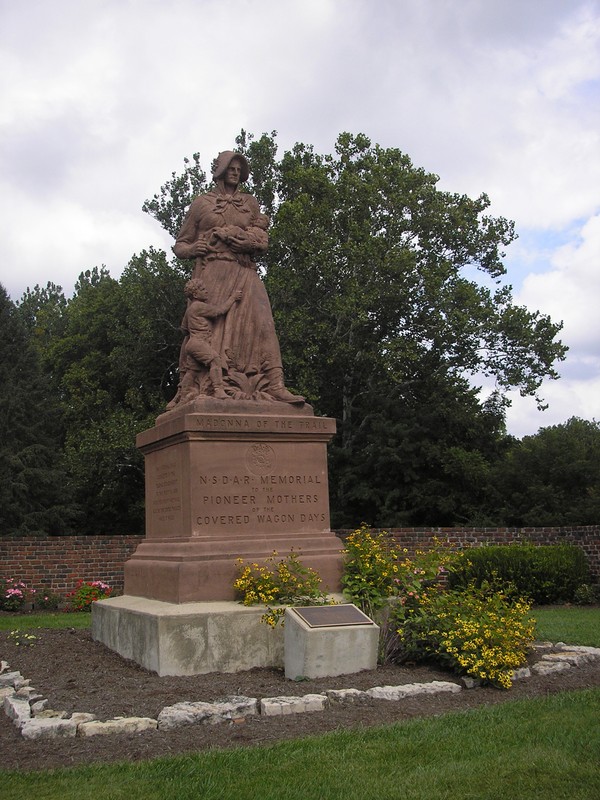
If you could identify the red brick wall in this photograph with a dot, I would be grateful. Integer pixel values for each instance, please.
(57, 563)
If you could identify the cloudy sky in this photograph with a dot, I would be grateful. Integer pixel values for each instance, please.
(100, 101)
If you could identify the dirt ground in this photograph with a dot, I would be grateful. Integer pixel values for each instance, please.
(77, 674)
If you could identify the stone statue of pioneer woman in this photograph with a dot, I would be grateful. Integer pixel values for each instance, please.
(224, 231)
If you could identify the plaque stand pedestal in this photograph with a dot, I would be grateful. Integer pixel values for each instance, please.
(220, 487)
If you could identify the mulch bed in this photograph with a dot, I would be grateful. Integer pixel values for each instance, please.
(77, 674)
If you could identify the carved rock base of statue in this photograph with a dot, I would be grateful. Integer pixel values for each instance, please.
(220, 487)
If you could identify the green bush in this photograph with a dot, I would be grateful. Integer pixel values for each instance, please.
(47, 600)
(542, 573)
(288, 582)
(370, 569)
(587, 594)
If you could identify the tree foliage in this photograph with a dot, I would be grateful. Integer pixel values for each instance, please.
(553, 477)
(110, 353)
(34, 490)
(370, 273)
(116, 366)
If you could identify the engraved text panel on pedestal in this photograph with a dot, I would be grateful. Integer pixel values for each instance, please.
(259, 487)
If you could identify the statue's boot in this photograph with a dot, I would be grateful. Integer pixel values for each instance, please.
(277, 388)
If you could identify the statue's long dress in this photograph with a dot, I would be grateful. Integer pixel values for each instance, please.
(245, 337)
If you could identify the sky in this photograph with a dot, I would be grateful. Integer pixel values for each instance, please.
(100, 101)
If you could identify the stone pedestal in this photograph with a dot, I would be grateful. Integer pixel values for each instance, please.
(224, 480)
(223, 486)
(189, 638)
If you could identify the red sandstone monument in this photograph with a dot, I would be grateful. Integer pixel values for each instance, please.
(236, 466)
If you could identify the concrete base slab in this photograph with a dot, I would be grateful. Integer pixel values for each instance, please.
(318, 652)
(187, 638)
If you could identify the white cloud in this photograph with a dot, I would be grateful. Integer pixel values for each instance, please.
(566, 399)
(570, 290)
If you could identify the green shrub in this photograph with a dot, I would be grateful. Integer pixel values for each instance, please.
(379, 579)
(370, 569)
(476, 631)
(544, 574)
(47, 601)
(587, 594)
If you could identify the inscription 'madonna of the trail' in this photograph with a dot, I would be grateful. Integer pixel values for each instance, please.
(232, 423)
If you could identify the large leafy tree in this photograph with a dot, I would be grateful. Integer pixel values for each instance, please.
(389, 301)
(109, 356)
(373, 274)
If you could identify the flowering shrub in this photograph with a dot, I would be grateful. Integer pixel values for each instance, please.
(476, 631)
(287, 582)
(428, 568)
(587, 594)
(84, 594)
(370, 569)
(416, 576)
(374, 571)
(13, 594)
(21, 638)
(47, 601)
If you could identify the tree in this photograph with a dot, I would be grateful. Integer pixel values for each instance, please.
(42, 310)
(169, 206)
(34, 490)
(383, 325)
(114, 362)
(553, 477)
(384, 252)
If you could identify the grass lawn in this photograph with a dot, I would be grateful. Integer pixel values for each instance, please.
(56, 619)
(569, 624)
(519, 751)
